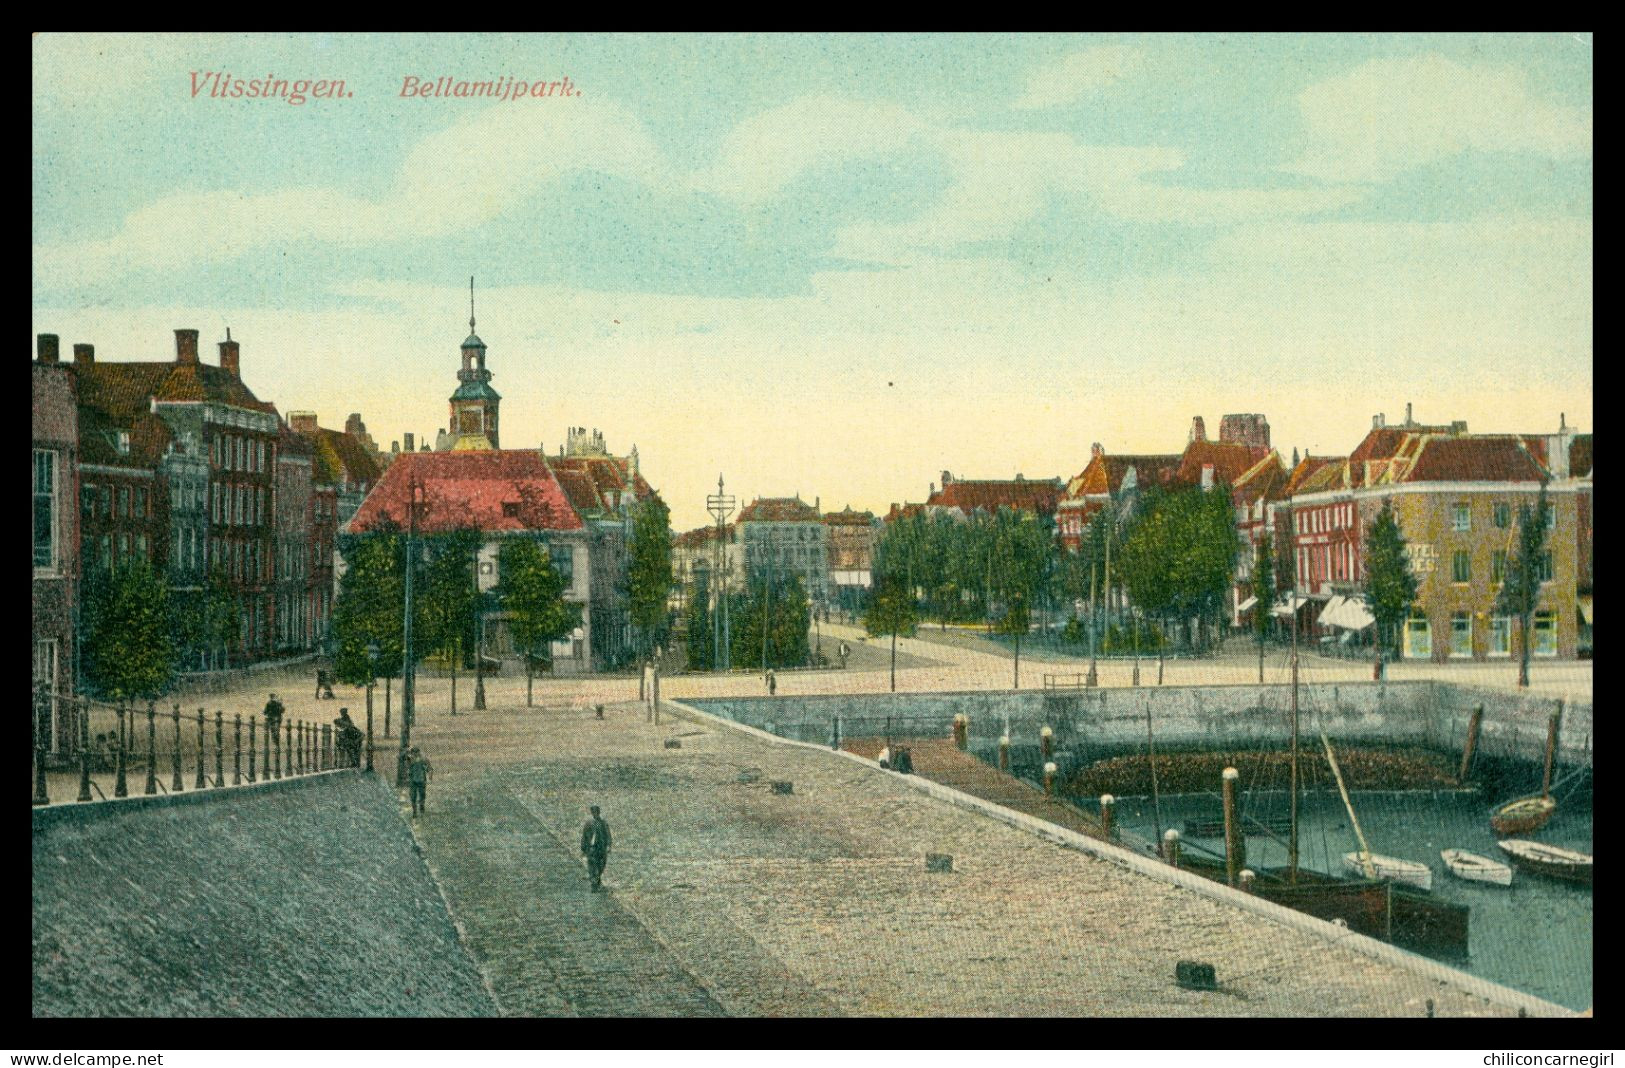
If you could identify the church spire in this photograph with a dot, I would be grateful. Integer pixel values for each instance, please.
(471, 304)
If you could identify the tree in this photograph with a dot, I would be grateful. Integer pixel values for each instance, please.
(648, 576)
(1390, 588)
(1180, 554)
(701, 644)
(1525, 570)
(890, 611)
(1263, 593)
(370, 607)
(784, 610)
(1015, 622)
(128, 649)
(205, 623)
(447, 602)
(531, 592)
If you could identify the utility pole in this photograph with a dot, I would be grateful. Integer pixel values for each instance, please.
(479, 638)
(408, 672)
(721, 506)
(767, 600)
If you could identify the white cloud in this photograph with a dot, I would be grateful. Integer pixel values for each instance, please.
(1387, 116)
(455, 178)
(766, 152)
(1074, 77)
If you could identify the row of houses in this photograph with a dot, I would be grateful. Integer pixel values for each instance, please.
(179, 465)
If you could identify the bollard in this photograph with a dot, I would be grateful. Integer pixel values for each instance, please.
(1049, 779)
(835, 734)
(202, 776)
(175, 785)
(1234, 845)
(152, 748)
(1247, 878)
(252, 748)
(1170, 846)
(600, 711)
(237, 751)
(369, 739)
(961, 730)
(1473, 726)
(1046, 742)
(1430, 1008)
(219, 747)
(1004, 752)
(120, 787)
(1108, 812)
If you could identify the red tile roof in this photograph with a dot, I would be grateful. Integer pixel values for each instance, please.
(1230, 461)
(1028, 495)
(1580, 456)
(778, 510)
(698, 536)
(1265, 479)
(1480, 458)
(1306, 469)
(470, 489)
(122, 388)
(849, 518)
(1105, 473)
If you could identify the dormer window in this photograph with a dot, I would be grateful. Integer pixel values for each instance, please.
(510, 509)
(122, 440)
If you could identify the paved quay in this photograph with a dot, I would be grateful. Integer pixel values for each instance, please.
(725, 897)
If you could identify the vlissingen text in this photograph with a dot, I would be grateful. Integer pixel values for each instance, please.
(222, 85)
(503, 88)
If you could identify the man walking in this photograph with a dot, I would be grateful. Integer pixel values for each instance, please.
(273, 714)
(349, 738)
(418, 773)
(595, 847)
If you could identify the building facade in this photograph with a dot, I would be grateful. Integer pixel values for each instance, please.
(56, 550)
(779, 536)
(851, 537)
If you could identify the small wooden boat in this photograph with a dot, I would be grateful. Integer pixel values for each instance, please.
(1523, 816)
(1400, 871)
(1475, 868)
(1549, 860)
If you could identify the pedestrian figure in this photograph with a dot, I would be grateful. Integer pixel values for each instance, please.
(595, 847)
(418, 774)
(106, 753)
(846, 651)
(772, 684)
(273, 714)
(349, 739)
(324, 684)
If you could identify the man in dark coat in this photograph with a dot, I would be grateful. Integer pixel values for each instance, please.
(273, 714)
(418, 773)
(349, 739)
(595, 847)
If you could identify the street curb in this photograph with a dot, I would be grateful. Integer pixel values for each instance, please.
(81, 812)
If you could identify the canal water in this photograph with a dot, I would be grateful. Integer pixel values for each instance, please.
(1533, 936)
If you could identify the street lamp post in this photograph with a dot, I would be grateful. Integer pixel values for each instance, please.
(372, 674)
(408, 679)
(479, 640)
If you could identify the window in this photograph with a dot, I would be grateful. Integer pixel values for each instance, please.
(87, 501)
(124, 502)
(1545, 634)
(123, 437)
(1461, 635)
(1545, 567)
(1462, 517)
(106, 558)
(141, 547)
(1551, 516)
(140, 503)
(1418, 639)
(1498, 567)
(1501, 636)
(1503, 515)
(1461, 566)
(44, 508)
(563, 562)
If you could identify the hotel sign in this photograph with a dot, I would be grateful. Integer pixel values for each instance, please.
(1423, 557)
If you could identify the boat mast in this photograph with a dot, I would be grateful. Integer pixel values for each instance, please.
(1365, 850)
(1551, 749)
(1151, 755)
(1292, 833)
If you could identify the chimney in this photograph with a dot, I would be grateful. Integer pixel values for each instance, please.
(933, 487)
(816, 506)
(394, 448)
(1378, 421)
(1096, 452)
(1458, 427)
(229, 361)
(946, 478)
(48, 346)
(1408, 414)
(186, 348)
(83, 355)
(1207, 474)
(406, 441)
(1562, 419)
(302, 422)
(1198, 429)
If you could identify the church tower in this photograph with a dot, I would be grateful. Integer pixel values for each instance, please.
(474, 404)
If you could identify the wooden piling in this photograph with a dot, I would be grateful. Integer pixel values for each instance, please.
(1471, 746)
(1004, 752)
(1234, 844)
(1049, 779)
(1046, 742)
(1551, 749)
(1108, 812)
(1247, 878)
(1170, 846)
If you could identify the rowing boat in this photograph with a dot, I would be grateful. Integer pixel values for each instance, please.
(1550, 860)
(1523, 816)
(1381, 867)
(1476, 868)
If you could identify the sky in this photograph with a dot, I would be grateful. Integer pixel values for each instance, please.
(837, 266)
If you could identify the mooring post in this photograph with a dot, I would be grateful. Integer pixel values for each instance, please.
(202, 744)
(1004, 752)
(152, 748)
(175, 784)
(120, 786)
(1233, 842)
(237, 750)
(1049, 779)
(1473, 724)
(1551, 749)
(961, 730)
(219, 747)
(1046, 742)
(84, 753)
(1247, 878)
(1170, 846)
(1108, 809)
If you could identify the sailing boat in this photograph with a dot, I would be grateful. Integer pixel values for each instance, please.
(1529, 814)
(1372, 865)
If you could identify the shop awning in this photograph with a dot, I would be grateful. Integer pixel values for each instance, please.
(1333, 606)
(1291, 604)
(1248, 603)
(1350, 613)
(1585, 609)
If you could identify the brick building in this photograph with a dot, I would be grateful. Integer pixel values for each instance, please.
(778, 536)
(56, 548)
(1101, 481)
(851, 537)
